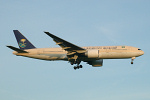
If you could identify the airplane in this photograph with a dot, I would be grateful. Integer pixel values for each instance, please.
(72, 53)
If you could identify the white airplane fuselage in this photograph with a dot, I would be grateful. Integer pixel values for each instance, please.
(72, 53)
(104, 52)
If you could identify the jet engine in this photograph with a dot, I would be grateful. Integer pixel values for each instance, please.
(96, 63)
(92, 53)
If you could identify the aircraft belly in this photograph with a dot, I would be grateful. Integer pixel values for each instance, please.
(48, 56)
(43, 57)
(57, 56)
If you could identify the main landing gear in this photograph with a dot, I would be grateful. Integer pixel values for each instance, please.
(78, 64)
(132, 60)
(75, 60)
(77, 67)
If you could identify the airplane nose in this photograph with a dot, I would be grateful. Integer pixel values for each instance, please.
(142, 52)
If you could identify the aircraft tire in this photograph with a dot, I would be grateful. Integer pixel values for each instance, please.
(80, 66)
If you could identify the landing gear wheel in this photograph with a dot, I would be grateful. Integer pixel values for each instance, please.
(80, 66)
(131, 62)
(71, 63)
(75, 68)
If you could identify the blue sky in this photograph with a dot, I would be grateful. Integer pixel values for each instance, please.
(84, 23)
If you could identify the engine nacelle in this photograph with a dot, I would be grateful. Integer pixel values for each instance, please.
(97, 63)
(92, 53)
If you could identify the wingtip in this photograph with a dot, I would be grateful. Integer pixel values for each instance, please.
(46, 32)
(15, 30)
(7, 45)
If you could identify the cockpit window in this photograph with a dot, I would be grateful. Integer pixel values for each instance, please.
(139, 49)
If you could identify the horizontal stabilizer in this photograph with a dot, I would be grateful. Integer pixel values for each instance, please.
(17, 49)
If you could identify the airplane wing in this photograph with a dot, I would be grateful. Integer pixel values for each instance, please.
(67, 46)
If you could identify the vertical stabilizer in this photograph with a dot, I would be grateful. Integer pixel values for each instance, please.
(23, 42)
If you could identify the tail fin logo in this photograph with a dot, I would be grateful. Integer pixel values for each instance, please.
(22, 43)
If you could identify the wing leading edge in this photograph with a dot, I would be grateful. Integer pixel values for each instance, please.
(67, 46)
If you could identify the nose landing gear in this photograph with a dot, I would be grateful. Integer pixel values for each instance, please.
(132, 60)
